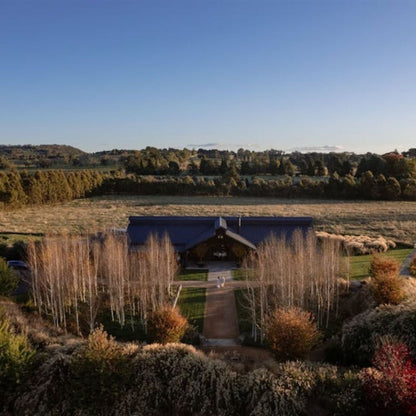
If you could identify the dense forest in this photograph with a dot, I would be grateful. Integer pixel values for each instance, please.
(201, 172)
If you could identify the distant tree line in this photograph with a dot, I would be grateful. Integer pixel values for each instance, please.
(367, 186)
(19, 188)
(203, 162)
(152, 161)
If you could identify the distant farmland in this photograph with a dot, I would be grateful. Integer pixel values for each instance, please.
(393, 220)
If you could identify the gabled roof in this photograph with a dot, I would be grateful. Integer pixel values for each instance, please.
(220, 224)
(240, 239)
(186, 232)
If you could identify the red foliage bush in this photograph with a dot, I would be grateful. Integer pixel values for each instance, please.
(166, 325)
(391, 387)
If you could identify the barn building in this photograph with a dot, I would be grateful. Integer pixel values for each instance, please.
(214, 238)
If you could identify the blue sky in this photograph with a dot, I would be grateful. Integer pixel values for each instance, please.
(337, 75)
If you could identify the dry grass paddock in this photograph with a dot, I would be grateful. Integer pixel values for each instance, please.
(392, 220)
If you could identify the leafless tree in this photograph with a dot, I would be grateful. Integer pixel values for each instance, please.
(300, 272)
(72, 271)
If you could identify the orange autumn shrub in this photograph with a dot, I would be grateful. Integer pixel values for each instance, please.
(291, 333)
(166, 325)
(382, 265)
(387, 284)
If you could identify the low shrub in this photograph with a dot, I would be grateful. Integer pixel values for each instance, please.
(100, 348)
(390, 386)
(291, 333)
(100, 369)
(166, 325)
(387, 285)
(388, 289)
(268, 394)
(384, 266)
(191, 336)
(175, 379)
(359, 244)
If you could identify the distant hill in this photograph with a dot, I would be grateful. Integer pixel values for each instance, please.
(44, 150)
(49, 156)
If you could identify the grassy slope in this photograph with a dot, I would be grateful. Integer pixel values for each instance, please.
(359, 265)
(192, 305)
(393, 220)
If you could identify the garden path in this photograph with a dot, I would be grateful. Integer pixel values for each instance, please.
(220, 321)
(404, 270)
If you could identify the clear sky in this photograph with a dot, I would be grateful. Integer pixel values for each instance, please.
(339, 75)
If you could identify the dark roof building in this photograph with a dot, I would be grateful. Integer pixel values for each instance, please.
(214, 237)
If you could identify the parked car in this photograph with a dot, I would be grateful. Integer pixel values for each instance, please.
(23, 271)
(18, 264)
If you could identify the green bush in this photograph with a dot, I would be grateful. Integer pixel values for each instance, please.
(291, 333)
(8, 279)
(16, 355)
(166, 325)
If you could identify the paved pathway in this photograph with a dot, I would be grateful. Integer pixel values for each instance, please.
(404, 271)
(221, 321)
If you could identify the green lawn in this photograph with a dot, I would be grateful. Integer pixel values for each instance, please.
(359, 265)
(240, 274)
(244, 323)
(191, 303)
(192, 274)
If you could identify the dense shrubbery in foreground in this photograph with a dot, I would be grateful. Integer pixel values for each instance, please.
(102, 377)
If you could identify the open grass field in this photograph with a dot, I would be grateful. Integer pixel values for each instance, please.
(359, 265)
(393, 220)
(191, 303)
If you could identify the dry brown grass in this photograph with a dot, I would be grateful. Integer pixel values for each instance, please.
(393, 220)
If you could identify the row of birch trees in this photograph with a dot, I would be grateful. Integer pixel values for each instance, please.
(73, 277)
(300, 272)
